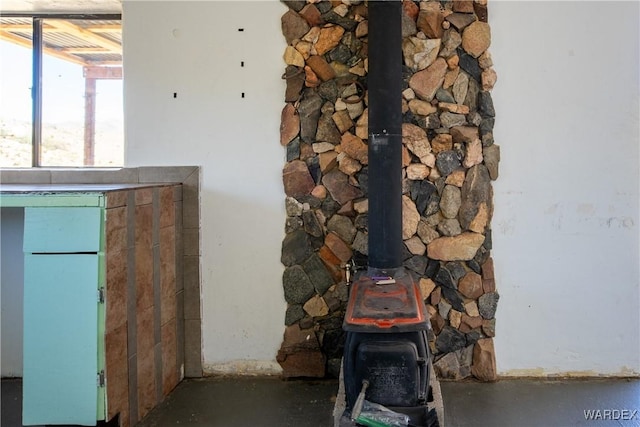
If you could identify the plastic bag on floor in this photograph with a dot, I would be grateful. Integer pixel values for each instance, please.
(375, 415)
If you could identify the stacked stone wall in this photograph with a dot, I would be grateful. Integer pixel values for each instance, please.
(449, 162)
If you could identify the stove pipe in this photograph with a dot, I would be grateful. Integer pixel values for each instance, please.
(385, 134)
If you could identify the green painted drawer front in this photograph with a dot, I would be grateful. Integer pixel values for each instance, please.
(62, 230)
(60, 339)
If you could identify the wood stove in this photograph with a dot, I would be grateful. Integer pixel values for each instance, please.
(386, 321)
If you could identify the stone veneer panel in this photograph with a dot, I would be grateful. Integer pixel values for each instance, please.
(449, 161)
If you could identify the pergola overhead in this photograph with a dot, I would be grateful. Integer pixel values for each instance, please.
(88, 43)
(94, 44)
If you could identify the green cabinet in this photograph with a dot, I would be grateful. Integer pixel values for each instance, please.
(63, 351)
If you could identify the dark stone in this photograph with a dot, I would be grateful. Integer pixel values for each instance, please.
(432, 121)
(293, 150)
(294, 77)
(333, 18)
(329, 90)
(421, 192)
(363, 179)
(297, 285)
(300, 354)
(294, 26)
(475, 266)
(473, 336)
(449, 120)
(314, 202)
(487, 305)
(450, 340)
(296, 247)
(456, 268)
(475, 191)
(343, 227)
(485, 105)
(309, 111)
(318, 274)
(454, 298)
(311, 224)
(447, 367)
(409, 27)
(482, 255)
(294, 313)
(296, 5)
(488, 240)
(306, 322)
(471, 99)
(330, 207)
(433, 206)
(432, 268)
(481, 11)
(292, 224)
(361, 222)
(443, 95)
(486, 125)
(443, 277)
(324, 6)
(405, 254)
(447, 161)
(340, 53)
(327, 130)
(313, 164)
(469, 64)
(333, 339)
(417, 263)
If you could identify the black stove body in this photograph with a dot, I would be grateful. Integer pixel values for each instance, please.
(386, 322)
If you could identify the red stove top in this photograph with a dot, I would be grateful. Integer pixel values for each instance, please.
(380, 303)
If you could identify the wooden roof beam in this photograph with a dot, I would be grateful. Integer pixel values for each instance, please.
(21, 41)
(86, 35)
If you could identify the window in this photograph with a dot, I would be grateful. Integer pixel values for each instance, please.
(61, 91)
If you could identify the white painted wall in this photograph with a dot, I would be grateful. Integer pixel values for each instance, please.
(565, 228)
(11, 292)
(566, 215)
(195, 49)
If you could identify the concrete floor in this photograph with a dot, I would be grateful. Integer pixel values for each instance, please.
(266, 402)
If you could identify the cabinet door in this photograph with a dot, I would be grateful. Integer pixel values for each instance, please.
(62, 230)
(60, 339)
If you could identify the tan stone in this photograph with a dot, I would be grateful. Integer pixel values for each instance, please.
(415, 138)
(289, 124)
(456, 178)
(484, 360)
(472, 321)
(358, 69)
(488, 285)
(319, 192)
(450, 77)
(408, 94)
(342, 120)
(421, 108)
(476, 38)
(430, 309)
(426, 287)
(410, 218)
(362, 29)
(462, 247)
(489, 78)
(464, 134)
(355, 108)
(362, 125)
(415, 245)
(425, 83)
(454, 108)
(361, 206)
(426, 233)
(455, 317)
(297, 179)
(406, 157)
(420, 53)
(328, 161)
(464, 6)
(321, 68)
(480, 221)
(472, 310)
(339, 248)
(453, 61)
(410, 8)
(322, 147)
(354, 146)
(441, 142)
(328, 38)
(293, 57)
(485, 60)
(436, 296)
(488, 269)
(304, 48)
(348, 165)
(312, 35)
(473, 156)
(417, 171)
(316, 307)
(470, 285)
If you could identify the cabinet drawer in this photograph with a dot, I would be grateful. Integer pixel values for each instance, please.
(62, 230)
